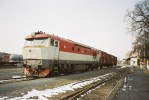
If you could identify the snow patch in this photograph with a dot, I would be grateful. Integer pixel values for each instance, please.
(16, 77)
(3, 98)
(44, 94)
(125, 80)
(3, 81)
(123, 89)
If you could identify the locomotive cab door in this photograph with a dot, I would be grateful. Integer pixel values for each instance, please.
(56, 49)
(94, 56)
(95, 59)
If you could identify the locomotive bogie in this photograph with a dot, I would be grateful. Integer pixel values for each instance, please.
(40, 72)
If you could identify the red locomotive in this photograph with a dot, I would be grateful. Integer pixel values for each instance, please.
(46, 54)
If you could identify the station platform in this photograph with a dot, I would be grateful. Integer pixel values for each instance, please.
(135, 87)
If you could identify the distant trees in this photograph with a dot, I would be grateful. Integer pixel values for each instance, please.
(138, 20)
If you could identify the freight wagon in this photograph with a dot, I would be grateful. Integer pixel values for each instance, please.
(10, 59)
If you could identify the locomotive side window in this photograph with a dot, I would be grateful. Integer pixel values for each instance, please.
(72, 48)
(85, 51)
(56, 43)
(78, 49)
(52, 42)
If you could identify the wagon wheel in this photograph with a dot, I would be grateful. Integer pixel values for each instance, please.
(56, 70)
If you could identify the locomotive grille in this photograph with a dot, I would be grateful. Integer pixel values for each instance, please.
(33, 62)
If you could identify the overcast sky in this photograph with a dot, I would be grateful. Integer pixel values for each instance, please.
(97, 23)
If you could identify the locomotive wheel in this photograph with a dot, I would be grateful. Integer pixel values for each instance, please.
(101, 67)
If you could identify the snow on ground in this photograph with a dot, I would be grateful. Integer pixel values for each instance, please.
(44, 94)
(122, 67)
(3, 81)
(16, 77)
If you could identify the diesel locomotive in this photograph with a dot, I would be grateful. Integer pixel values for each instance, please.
(45, 54)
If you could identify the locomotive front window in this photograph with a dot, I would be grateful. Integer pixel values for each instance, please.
(36, 42)
(28, 42)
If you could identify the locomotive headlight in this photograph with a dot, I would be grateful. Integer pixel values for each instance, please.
(25, 61)
(38, 62)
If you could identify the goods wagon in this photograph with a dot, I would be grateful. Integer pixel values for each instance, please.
(7, 59)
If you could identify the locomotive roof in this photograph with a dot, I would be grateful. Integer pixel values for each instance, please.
(37, 35)
(40, 34)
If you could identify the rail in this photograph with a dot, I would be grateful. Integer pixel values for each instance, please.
(77, 94)
(16, 79)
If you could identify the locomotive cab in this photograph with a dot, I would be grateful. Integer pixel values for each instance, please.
(38, 52)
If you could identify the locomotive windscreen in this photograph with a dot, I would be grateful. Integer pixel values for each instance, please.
(36, 42)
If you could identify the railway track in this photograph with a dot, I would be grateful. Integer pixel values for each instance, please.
(16, 79)
(81, 92)
(75, 89)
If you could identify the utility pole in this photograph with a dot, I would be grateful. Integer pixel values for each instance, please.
(144, 54)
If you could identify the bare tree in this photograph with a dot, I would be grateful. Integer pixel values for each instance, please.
(138, 20)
